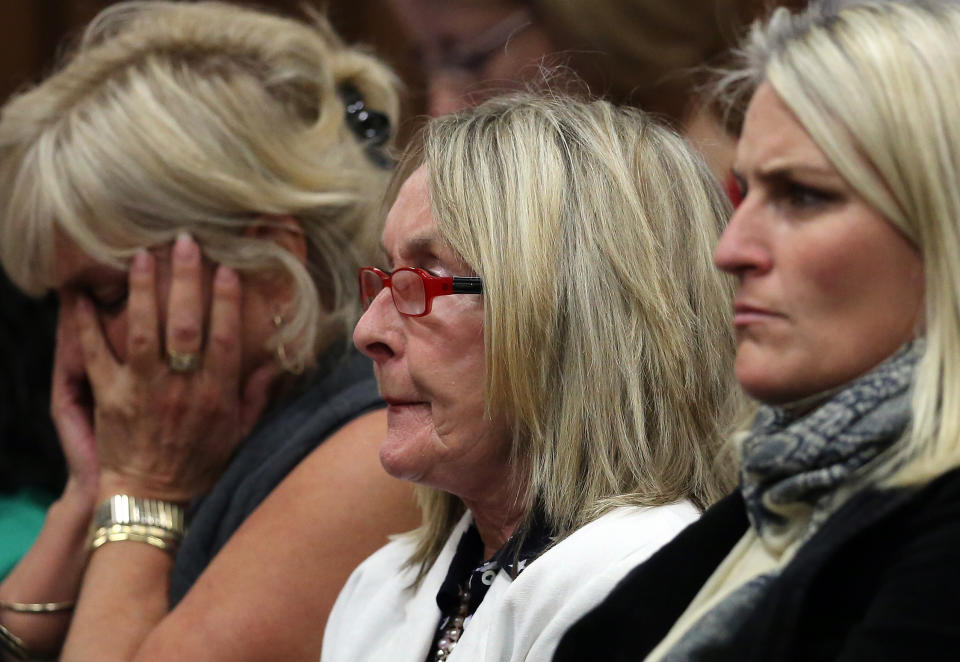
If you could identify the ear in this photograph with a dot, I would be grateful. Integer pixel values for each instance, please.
(283, 229)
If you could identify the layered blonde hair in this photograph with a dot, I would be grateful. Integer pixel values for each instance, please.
(200, 117)
(877, 87)
(607, 335)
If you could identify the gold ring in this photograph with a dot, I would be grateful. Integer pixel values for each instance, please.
(182, 362)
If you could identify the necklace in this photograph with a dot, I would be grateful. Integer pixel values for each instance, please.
(453, 630)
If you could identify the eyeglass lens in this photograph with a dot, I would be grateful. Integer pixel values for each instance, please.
(409, 294)
(370, 286)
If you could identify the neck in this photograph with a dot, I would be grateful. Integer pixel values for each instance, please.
(496, 514)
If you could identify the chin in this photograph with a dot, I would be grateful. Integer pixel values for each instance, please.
(757, 383)
(401, 461)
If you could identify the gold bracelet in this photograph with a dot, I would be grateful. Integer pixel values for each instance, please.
(37, 607)
(13, 644)
(152, 535)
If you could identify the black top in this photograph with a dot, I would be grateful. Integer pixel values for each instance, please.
(880, 580)
(339, 390)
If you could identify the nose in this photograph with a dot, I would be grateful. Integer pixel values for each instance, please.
(378, 334)
(743, 246)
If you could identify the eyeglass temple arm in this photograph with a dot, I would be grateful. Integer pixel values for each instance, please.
(467, 285)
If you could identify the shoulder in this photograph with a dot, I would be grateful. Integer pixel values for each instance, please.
(575, 575)
(603, 549)
(381, 572)
(371, 603)
(380, 613)
(626, 626)
(629, 534)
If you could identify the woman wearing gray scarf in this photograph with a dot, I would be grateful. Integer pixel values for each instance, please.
(843, 540)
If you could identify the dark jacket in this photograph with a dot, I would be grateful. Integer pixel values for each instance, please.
(880, 580)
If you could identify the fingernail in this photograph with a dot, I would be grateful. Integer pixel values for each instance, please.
(185, 248)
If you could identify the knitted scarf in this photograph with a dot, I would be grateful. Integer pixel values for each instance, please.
(798, 467)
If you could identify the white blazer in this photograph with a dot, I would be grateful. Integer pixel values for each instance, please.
(378, 617)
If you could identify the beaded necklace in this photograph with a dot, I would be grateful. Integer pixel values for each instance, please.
(454, 629)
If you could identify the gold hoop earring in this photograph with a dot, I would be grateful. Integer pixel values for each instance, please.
(294, 367)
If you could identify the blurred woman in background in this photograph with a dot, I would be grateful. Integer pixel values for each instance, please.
(647, 53)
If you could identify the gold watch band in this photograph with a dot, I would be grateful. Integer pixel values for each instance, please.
(123, 517)
(125, 509)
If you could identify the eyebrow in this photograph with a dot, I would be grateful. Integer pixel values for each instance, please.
(782, 171)
(417, 246)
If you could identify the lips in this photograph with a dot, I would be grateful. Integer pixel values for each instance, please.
(400, 402)
(747, 313)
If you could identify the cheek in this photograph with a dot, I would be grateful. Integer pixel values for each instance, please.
(835, 278)
(446, 365)
(872, 288)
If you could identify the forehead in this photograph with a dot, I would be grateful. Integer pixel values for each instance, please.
(410, 222)
(72, 264)
(773, 137)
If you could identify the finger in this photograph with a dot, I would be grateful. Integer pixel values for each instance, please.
(184, 331)
(143, 345)
(71, 406)
(98, 360)
(256, 395)
(224, 344)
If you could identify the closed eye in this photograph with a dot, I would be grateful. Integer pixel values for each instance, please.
(108, 301)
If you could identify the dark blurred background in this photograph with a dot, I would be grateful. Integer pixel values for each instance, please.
(34, 34)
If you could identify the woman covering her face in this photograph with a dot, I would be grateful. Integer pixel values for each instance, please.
(843, 540)
(554, 348)
(198, 183)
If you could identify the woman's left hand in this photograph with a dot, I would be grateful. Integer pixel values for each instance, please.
(166, 431)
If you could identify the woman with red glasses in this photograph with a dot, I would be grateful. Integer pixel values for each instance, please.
(554, 348)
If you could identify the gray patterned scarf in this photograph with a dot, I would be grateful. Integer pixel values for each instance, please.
(797, 468)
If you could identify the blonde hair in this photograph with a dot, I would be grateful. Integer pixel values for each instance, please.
(875, 84)
(607, 335)
(206, 118)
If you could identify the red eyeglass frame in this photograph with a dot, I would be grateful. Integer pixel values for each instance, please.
(433, 286)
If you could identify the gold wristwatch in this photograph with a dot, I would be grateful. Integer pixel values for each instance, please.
(123, 517)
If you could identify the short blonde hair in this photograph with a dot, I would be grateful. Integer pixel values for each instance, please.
(607, 329)
(200, 117)
(875, 84)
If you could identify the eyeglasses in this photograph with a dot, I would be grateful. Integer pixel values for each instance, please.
(413, 289)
